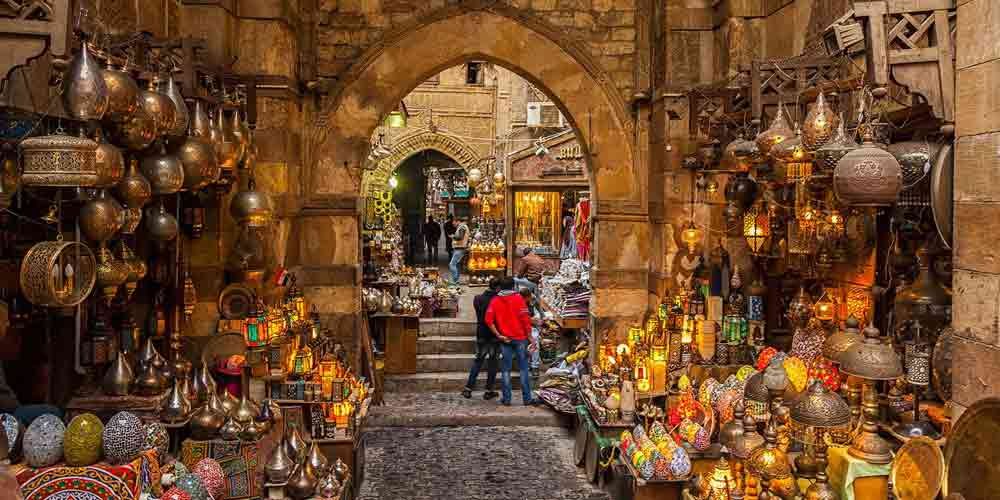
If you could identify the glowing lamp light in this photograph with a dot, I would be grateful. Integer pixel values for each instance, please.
(658, 352)
(393, 182)
(721, 482)
(756, 227)
(824, 308)
(687, 332)
(691, 236)
(623, 350)
(642, 379)
(635, 334)
(255, 326)
(396, 119)
(341, 413)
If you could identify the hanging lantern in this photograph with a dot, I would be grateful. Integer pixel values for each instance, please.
(741, 154)
(824, 308)
(868, 176)
(778, 132)
(635, 334)
(252, 328)
(691, 235)
(474, 176)
(741, 190)
(756, 227)
(819, 125)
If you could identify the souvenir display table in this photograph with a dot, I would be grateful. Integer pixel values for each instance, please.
(244, 471)
(854, 478)
(625, 485)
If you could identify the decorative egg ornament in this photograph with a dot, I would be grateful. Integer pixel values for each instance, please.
(211, 475)
(124, 438)
(82, 443)
(192, 485)
(43, 441)
(15, 432)
(158, 439)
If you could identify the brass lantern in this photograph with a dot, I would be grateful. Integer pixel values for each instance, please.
(756, 227)
(871, 360)
(779, 131)
(819, 125)
(692, 235)
(868, 176)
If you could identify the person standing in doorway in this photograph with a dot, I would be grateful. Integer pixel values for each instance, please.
(432, 236)
(449, 231)
(487, 344)
(507, 317)
(459, 243)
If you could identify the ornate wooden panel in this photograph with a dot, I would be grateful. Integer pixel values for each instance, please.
(27, 29)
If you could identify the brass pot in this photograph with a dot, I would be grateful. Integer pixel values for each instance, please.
(118, 378)
(160, 225)
(230, 431)
(136, 132)
(246, 411)
(204, 384)
(159, 107)
(302, 483)
(868, 176)
(164, 171)
(200, 162)
(176, 407)
(206, 422)
(252, 431)
(229, 402)
(250, 207)
(279, 465)
(101, 218)
(111, 273)
(85, 95)
(181, 117)
(123, 94)
(59, 161)
(149, 381)
(318, 460)
(110, 163)
(295, 446)
(134, 189)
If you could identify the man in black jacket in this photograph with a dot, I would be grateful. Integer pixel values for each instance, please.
(487, 344)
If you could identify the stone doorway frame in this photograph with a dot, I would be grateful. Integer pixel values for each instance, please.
(613, 145)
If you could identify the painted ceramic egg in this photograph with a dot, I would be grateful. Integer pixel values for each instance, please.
(646, 469)
(680, 464)
(124, 438)
(701, 440)
(211, 475)
(192, 485)
(15, 432)
(745, 372)
(706, 390)
(82, 444)
(176, 493)
(157, 439)
(43, 441)
(657, 432)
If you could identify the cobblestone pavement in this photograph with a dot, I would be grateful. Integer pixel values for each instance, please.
(474, 463)
(445, 408)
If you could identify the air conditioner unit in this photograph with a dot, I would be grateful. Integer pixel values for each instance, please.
(534, 114)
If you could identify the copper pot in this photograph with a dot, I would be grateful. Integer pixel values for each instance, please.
(160, 225)
(164, 171)
(868, 176)
(200, 162)
(134, 188)
(159, 107)
(110, 163)
(180, 122)
(136, 132)
(59, 161)
(101, 218)
(123, 94)
(84, 95)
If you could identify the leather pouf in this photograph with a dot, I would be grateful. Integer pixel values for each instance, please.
(43, 441)
(82, 443)
(124, 438)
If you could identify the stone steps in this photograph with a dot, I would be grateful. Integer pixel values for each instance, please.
(449, 382)
(451, 362)
(444, 344)
(447, 327)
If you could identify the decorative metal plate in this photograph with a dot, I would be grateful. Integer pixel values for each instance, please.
(941, 195)
(918, 470)
(235, 301)
(223, 346)
(972, 457)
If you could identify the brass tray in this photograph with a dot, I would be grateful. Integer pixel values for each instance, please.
(941, 195)
(972, 457)
(235, 301)
(918, 470)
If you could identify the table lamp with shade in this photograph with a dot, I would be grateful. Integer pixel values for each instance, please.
(818, 411)
(871, 360)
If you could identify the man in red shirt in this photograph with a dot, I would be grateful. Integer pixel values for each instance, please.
(507, 317)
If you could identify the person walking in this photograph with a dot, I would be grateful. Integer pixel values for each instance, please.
(449, 231)
(432, 236)
(507, 317)
(487, 344)
(459, 242)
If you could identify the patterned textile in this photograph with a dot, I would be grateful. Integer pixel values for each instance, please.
(240, 461)
(101, 481)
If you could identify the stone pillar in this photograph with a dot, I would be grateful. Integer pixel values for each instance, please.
(976, 309)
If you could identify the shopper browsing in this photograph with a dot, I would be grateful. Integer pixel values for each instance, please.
(507, 317)
(536, 325)
(487, 344)
(459, 243)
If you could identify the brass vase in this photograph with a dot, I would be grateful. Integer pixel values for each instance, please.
(296, 446)
(176, 407)
(158, 106)
(207, 421)
(279, 465)
(246, 411)
(118, 379)
(84, 95)
(230, 431)
(302, 483)
(101, 218)
(318, 460)
(204, 384)
(123, 94)
(164, 172)
(252, 431)
(229, 402)
(148, 352)
(110, 163)
(134, 189)
(200, 162)
(149, 381)
(181, 117)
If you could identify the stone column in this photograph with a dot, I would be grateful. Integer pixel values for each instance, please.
(976, 308)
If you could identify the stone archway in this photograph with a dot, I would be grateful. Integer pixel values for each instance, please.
(409, 145)
(543, 55)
